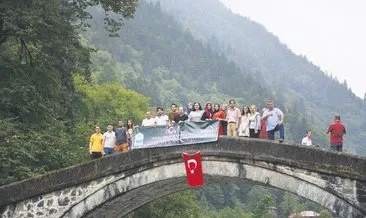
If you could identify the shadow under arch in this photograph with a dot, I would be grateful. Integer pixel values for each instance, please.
(172, 179)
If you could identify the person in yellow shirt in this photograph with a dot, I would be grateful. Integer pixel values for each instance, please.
(96, 144)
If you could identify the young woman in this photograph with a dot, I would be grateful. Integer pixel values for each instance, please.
(196, 113)
(219, 114)
(243, 124)
(129, 128)
(254, 122)
(207, 115)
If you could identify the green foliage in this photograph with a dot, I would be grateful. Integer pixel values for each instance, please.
(291, 204)
(181, 204)
(325, 214)
(163, 61)
(263, 207)
(25, 154)
(40, 49)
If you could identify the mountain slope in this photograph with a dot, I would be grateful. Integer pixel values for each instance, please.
(158, 58)
(292, 79)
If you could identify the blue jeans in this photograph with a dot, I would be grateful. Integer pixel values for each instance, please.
(336, 147)
(108, 151)
(280, 128)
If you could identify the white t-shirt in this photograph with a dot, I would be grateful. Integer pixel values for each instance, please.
(109, 139)
(162, 120)
(195, 116)
(148, 122)
(306, 141)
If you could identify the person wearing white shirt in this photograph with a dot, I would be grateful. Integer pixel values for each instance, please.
(307, 139)
(109, 140)
(148, 121)
(161, 119)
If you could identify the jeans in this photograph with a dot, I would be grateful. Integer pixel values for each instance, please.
(108, 151)
(336, 147)
(280, 128)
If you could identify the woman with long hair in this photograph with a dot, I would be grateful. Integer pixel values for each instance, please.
(129, 132)
(207, 115)
(255, 124)
(243, 124)
(196, 113)
(219, 114)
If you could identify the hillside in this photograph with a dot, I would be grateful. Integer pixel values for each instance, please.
(162, 61)
(157, 57)
(292, 79)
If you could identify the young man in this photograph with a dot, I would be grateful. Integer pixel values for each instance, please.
(232, 117)
(109, 140)
(161, 119)
(274, 121)
(172, 113)
(121, 136)
(307, 139)
(336, 130)
(148, 121)
(96, 144)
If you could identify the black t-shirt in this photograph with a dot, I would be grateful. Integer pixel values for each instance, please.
(178, 118)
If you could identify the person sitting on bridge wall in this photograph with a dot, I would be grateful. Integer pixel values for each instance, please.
(307, 139)
(96, 144)
(336, 129)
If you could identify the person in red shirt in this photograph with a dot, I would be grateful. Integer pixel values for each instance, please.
(336, 130)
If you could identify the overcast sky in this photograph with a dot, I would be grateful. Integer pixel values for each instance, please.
(331, 33)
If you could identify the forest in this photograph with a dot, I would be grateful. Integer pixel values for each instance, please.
(66, 66)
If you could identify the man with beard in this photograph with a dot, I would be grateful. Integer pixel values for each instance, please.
(121, 136)
(172, 113)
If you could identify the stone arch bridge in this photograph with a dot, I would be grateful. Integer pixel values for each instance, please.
(116, 185)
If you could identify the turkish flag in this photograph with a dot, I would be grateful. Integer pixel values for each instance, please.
(193, 168)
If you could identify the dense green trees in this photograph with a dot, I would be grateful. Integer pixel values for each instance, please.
(40, 52)
(249, 201)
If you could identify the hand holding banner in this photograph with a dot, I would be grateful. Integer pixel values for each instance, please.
(194, 170)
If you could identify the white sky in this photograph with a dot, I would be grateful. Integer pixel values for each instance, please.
(331, 33)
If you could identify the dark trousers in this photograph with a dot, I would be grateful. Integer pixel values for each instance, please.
(338, 147)
(224, 127)
(280, 128)
(95, 155)
(252, 133)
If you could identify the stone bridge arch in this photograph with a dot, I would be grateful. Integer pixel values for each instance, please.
(115, 186)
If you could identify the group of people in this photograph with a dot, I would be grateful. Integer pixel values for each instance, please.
(111, 141)
(245, 122)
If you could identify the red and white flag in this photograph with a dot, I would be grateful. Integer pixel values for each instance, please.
(193, 168)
